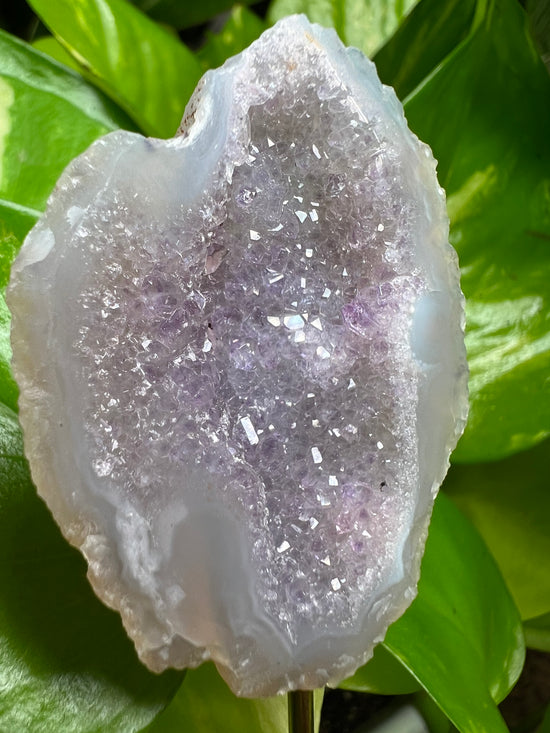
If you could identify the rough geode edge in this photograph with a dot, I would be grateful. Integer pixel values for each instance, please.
(37, 416)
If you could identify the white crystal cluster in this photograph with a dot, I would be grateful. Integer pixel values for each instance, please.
(242, 369)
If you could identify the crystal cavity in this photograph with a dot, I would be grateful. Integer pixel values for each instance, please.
(242, 366)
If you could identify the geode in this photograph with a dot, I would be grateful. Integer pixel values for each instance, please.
(242, 367)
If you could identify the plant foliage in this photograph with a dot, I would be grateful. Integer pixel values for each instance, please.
(475, 89)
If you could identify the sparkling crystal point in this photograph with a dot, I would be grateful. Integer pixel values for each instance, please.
(242, 365)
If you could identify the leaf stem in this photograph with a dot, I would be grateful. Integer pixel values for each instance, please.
(300, 711)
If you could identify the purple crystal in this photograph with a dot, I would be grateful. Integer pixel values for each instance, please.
(242, 367)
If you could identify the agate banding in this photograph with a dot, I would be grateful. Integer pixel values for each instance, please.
(242, 366)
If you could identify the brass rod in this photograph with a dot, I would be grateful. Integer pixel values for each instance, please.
(300, 711)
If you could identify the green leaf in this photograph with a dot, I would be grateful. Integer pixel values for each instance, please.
(509, 503)
(9, 245)
(537, 632)
(241, 28)
(486, 114)
(205, 704)
(545, 724)
(365, 24)
(435, 720)
(382, 675)
(462, 636)
(141, 66)
(66, 663)
(538, 12)
(48, 115)
(52, 48)
(186, 14)
(426, 36)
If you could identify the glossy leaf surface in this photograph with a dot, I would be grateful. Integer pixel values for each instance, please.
(242, 27)
(66, 663)
(9, 245)
(462, 636)
(382, 675)
(365, 24)
(183, 13)
(139, 64)
(537, 632)
(426, 36)
(509, 503)
(51, 47)
(486, 114)
(49, 115)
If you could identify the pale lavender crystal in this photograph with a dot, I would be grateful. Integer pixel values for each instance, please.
(242, 366)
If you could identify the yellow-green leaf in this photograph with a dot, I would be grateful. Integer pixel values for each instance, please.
(139, 64)
(486, 114)
(462, 637)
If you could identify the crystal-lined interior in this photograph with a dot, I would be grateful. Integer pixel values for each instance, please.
(265, 340)
(241, 363)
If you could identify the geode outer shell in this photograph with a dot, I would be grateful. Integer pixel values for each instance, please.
(242, 367)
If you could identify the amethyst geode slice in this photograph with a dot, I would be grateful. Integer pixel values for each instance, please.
(242, 366)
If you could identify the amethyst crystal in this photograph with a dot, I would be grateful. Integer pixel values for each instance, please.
(242, 368)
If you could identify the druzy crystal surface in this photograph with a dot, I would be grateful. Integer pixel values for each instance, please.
(242, 369)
